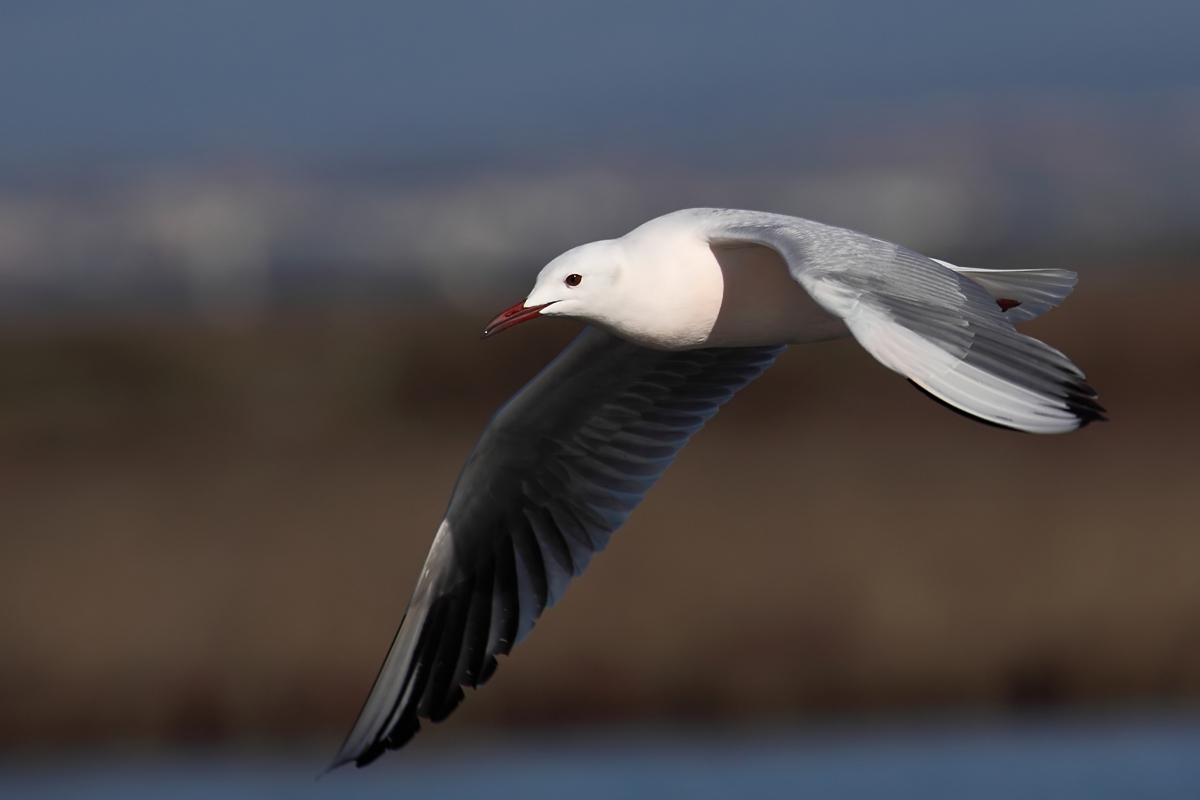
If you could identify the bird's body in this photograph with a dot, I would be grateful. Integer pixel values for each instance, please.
(685, 310)
(682, 290)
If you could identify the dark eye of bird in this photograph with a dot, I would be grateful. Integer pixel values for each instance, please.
(573, 279)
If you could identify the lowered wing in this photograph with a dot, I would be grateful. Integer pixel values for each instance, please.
(557, 470)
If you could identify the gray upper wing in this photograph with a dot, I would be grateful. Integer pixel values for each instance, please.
(939, 328)
(557, 470)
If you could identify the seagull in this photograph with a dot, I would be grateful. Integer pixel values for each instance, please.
(683, 312)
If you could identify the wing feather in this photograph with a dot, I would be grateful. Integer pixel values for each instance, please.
(934, 323)
(557, 470)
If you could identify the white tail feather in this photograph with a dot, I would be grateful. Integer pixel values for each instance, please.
(1035, 290)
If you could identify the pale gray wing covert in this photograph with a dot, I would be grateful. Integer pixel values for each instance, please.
(935, 326)
(557, 470)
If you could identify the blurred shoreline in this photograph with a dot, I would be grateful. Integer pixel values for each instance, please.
(1112, 189)
(210, 530)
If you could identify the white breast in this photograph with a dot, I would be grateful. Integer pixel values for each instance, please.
(681, 293)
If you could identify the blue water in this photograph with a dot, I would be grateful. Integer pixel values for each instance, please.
(1081, 758)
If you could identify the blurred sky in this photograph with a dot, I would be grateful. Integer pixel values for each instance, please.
(299, 79)
(198, 154)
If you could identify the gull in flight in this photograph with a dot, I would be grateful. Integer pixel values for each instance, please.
(683, 312)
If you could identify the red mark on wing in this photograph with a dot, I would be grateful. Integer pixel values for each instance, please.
(1005, 304)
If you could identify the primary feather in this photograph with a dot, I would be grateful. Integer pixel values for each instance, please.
(557, 470)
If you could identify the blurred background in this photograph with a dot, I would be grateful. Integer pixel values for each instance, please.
(246, 249)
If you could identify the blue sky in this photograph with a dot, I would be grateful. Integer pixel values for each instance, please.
(303, 79)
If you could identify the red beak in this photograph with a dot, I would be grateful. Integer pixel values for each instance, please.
(512, 316)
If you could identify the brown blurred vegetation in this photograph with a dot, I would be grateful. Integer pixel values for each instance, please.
(209, 530)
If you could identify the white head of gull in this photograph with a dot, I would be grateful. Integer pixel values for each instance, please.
(683, 312)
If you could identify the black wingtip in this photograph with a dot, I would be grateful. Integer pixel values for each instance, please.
(406, 728)
(1082, 403)
(340, 760)
(1080, 399)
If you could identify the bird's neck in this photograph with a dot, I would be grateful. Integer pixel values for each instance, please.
(669, 296)
(680, 293)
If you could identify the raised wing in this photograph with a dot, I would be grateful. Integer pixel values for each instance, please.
(935, 326)
(558, 469)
